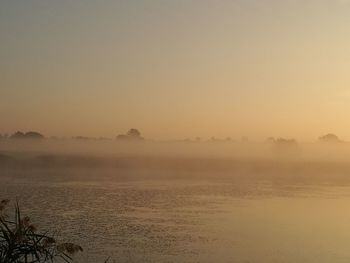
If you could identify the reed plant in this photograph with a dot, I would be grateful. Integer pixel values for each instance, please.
(20, 242)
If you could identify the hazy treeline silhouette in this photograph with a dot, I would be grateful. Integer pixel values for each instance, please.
(134, 135)
(23, 135)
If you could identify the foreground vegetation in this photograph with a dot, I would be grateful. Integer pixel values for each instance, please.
(20, 242)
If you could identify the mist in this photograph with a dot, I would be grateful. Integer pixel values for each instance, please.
(309, 162)
(265, 78)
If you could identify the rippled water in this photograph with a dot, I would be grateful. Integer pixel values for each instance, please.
(166, 219)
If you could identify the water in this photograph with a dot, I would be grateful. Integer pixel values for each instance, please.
(135, 216)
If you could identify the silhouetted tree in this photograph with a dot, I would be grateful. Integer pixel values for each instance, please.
(33, 135)
(17, 135)
(27, 135)
(329, 138)
(132, 134)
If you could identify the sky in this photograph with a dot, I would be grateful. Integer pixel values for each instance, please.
(176, 69)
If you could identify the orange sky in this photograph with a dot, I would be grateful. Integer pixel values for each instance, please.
(176, 69)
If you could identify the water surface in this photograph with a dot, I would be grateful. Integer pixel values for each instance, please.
(189, 218)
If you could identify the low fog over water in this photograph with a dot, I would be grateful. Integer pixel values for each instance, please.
(176, 69)
(186, 201)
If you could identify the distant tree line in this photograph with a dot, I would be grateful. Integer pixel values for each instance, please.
(135, 135)
(328, 138)
(23, 135)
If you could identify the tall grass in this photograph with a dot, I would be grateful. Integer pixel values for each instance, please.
(20, 241)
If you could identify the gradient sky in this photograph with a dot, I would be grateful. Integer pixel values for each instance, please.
(176, 69)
